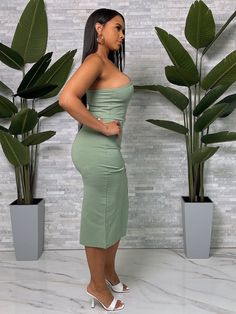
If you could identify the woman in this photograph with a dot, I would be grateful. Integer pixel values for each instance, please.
(96, 149)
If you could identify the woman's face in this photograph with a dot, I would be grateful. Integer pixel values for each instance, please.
(113, 32)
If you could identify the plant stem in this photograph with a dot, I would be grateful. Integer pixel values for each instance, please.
(195, 181)
(17, 171)
(201, 182)
(187, 150)
(200, 78)
(190, 146)
(201, 173)
(18, 185)
(31, 154)
(28, 195)
(195, 86)
(190, 120)
(22, 181)
(28, 182)
(195, 134)
(34, 165)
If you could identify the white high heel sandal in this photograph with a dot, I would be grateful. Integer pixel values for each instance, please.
(111, 307)
(119, 288)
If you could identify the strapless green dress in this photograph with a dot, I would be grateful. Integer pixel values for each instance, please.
(99, 160)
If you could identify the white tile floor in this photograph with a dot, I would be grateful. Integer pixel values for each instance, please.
(161, 281)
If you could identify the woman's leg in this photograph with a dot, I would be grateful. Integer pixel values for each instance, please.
(110, 272)
(97, 285)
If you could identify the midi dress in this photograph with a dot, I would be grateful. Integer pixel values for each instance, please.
(98, 159)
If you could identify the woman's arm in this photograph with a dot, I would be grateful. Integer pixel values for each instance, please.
(76, 87)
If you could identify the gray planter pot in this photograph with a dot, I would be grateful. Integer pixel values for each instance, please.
(28, 229)
(197, 227)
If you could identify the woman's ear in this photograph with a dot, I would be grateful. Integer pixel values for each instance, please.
(98, 27)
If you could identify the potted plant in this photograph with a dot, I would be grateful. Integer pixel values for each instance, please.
(200, 108)
(20, 135)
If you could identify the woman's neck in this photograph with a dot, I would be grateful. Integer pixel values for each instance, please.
(103, 51)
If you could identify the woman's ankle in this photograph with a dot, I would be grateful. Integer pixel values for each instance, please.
(112, 277)
(97, 287)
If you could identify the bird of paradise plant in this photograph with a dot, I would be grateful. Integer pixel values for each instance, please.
(20, 139)
(200, 108)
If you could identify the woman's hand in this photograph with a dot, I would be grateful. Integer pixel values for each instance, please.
(112, 128)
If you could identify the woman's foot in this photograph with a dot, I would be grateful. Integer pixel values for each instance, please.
(104, 295)
(114, 279)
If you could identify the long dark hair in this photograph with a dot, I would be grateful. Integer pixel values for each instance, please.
(90, 45)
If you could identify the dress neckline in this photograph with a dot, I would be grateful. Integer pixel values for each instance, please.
(109, 89)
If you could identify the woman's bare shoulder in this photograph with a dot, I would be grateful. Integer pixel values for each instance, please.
(95, 58)
(90, 69)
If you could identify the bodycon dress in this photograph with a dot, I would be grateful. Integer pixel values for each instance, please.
(98, 158)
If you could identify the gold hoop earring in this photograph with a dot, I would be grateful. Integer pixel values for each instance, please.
(100, 41)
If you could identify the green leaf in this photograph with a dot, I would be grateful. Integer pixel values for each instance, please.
(35, 72)
(7, 108)
(16, 153)
(36, 91)
(178, 55)
(179, 76)
(202, 154)
(31, 35)
(210, 98)
(220, 32)
(151, 88)
(51, 110)
(231, 101)
(10, 57)
(24, 121)
(2, 128)
(35, 139)
(57, 74)
(5, 90)
(222, 74)
(173, 126)
(224, 136)
(200, 25)
(209, 116)
(173, 95)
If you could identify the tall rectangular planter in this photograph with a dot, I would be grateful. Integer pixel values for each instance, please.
(28, 229)
(197, 227)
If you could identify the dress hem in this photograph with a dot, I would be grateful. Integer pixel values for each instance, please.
(101, 246)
